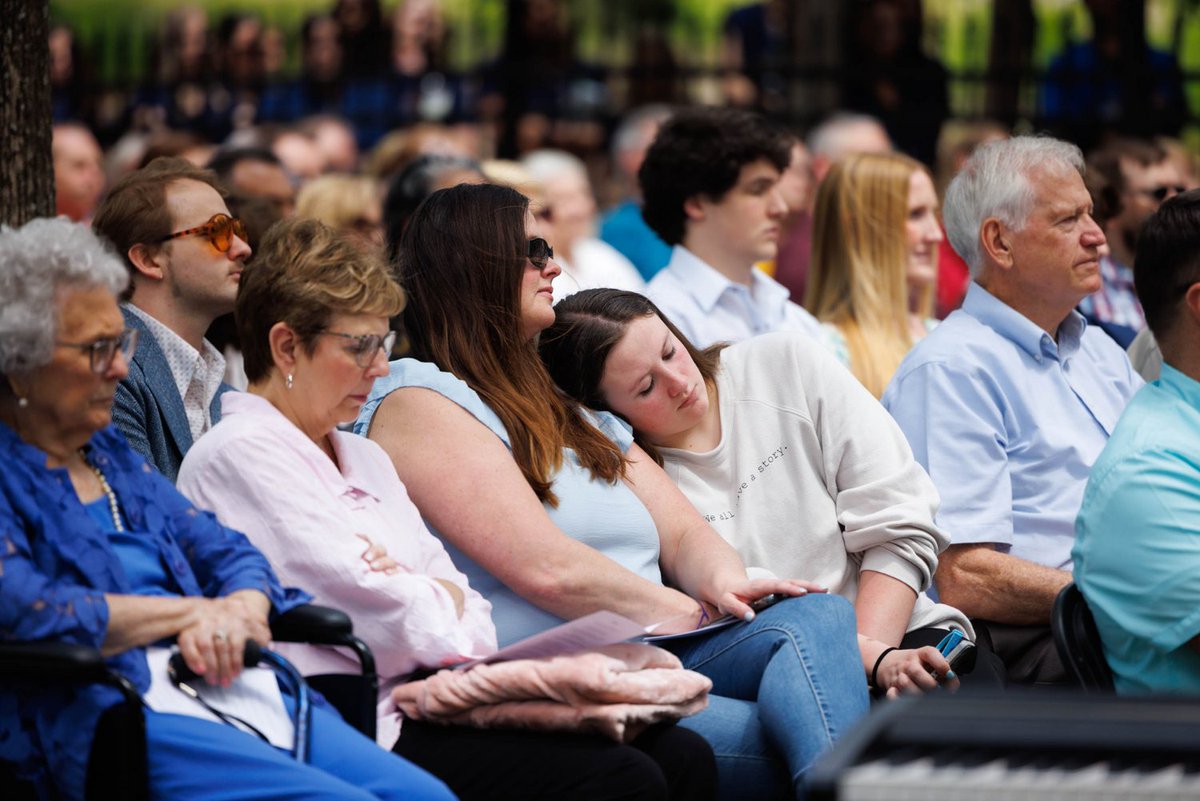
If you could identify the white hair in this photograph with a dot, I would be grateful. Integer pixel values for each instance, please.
(546, 165)
(37, 261)
(826, 140)
(995, 183)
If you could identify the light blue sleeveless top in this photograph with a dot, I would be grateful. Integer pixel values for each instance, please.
(608, 517)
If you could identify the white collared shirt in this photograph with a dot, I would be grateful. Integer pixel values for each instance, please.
(707, 307)
(197, 374)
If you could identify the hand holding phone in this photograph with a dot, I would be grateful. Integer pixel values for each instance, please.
(958, 651)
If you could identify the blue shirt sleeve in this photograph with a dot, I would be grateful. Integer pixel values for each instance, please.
(613, 427)
(1138, 550)
(955, 423)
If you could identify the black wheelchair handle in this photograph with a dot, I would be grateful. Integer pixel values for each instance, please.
(178, 669)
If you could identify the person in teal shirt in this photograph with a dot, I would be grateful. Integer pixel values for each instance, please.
(1137, 546)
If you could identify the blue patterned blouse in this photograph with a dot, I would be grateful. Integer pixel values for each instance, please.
(56, 564)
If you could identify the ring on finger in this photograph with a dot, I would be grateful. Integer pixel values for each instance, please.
(220, 636)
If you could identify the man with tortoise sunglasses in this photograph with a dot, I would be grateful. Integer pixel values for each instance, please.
(185, 253)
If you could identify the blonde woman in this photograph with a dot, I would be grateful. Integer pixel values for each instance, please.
(351, 204)
(874, 266)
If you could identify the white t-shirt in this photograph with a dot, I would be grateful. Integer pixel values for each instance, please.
(812, 479)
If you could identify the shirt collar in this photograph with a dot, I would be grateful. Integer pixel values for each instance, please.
(707, 285)
(181, 357)
(350, 479)
(1180, 384)
(1012, 325)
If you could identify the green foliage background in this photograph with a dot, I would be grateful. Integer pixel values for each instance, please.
(119, 34)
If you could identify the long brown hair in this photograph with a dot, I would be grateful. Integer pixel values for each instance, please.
(587, 326)
(461, 262)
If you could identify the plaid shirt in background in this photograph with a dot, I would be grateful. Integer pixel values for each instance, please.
(1116, 302)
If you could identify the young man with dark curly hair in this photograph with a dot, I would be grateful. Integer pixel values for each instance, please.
(711, 188)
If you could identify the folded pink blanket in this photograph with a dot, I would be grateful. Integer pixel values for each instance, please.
(615, 691)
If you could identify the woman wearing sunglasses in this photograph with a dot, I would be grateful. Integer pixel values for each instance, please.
(328, 510)
(100, 549)
(553, 513)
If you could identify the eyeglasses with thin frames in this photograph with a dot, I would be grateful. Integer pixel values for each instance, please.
(540, 252)
(101, 352)
(367, 345)
(220, 231)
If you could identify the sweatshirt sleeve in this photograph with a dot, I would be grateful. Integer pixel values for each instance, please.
(885, 501)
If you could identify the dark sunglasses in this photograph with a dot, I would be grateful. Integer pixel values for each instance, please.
(540, 252)
(366, 345)
(220, 231)
(1163, 192)
(102, 352)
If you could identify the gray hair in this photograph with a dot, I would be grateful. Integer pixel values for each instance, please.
(995, 183)
(631, 134)
(37, 261)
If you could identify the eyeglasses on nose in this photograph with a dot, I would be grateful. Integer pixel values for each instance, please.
(366, 345)
(101, 352)
(540, 252)
(1165, 191)
(220, 231)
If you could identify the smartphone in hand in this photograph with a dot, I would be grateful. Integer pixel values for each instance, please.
(767, 601)
(959, 652)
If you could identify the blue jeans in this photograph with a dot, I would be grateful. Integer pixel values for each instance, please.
(785, 686)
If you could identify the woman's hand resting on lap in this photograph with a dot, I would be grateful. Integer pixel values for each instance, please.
(213, 645)
(736, 599)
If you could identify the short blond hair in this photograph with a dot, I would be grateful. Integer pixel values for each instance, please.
(306, 272)
(340, 201)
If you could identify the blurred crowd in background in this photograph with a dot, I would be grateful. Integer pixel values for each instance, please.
(363, 97)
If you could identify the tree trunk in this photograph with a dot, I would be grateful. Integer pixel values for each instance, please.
(26, 169)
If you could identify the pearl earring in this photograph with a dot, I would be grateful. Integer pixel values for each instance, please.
(23, 403)
(290, 380)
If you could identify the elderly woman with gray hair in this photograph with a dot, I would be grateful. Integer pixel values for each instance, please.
(98, 548)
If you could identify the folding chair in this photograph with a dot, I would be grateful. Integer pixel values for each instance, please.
(1078, 641)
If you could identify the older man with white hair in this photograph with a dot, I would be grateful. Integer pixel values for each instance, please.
(1008, 402)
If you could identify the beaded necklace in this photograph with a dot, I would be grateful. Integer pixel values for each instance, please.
(108, 492)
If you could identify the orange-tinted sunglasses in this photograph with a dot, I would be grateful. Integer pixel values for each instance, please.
(220, 230)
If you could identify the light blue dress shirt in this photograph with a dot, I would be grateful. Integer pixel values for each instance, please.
(708, 308)
(607, 517)
(1137, 547)
(1008, 422)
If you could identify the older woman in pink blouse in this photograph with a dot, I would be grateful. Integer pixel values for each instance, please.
(328, 510)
